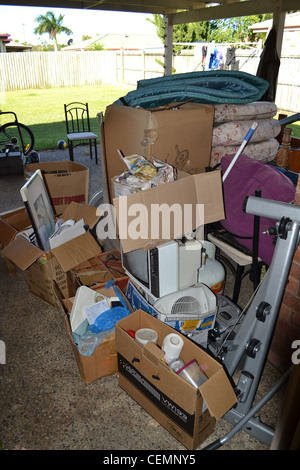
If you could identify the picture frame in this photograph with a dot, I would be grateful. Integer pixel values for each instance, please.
(37, 202)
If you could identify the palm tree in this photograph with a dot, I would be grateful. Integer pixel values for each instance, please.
(51, 25)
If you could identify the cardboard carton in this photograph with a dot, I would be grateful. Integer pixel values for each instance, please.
(103, 361)
(45, 267)
(179, 134)
(100, 269)
(66, 182)
(11, 223)
(188, 413)
(201, 322)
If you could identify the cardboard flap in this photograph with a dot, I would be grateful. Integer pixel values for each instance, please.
(76, 251)
(7, 234)
(17, 219)
(22, 253)
(210, 193)
(152, 352)
(218, 394)
(76, 211)
(154, 216)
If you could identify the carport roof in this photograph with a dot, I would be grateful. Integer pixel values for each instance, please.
(181, 11)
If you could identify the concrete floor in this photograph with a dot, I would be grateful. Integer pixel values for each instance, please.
(44, 403)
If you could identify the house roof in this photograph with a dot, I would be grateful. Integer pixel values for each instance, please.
(118, 41)
(5, 38)
(292, 23)
(17, 47)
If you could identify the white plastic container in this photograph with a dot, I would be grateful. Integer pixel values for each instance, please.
(211, 272)
(146, 334)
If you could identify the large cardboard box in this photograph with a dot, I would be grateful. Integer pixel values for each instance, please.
(43, 268)
(66, 182)
(179, 134)
(103, 361)
(188, 413)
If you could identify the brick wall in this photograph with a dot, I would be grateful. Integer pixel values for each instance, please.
(288, 324)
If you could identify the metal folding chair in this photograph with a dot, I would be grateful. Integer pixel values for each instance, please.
(78, 127)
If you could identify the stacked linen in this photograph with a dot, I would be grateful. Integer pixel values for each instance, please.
(233, 121)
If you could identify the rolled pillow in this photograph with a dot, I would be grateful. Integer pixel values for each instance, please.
(233, 133)
(243, 112)
(264, 151)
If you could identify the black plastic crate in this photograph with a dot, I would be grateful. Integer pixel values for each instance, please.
(11, 163)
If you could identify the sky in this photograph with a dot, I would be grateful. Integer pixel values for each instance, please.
(20, 22)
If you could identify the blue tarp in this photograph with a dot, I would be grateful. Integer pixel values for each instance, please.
(212, 87)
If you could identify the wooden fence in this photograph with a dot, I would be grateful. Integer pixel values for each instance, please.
(30, 70)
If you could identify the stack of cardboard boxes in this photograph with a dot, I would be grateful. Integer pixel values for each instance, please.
(179, 134)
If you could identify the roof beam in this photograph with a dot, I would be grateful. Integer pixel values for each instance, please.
(232, 10)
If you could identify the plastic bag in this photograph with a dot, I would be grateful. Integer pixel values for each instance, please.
(107, 319)
(88, 342)
(90, 336)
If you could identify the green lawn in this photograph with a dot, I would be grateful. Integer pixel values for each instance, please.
(43, 110)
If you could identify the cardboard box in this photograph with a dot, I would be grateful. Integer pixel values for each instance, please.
(11, 223)
(66, 182)
(137, 300)
(189, 414)
(45, 267)
(99, 269)
(103, 361)
(187, 195)
(182, 322)
(179, 134)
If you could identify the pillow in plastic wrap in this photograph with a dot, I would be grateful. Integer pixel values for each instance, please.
(234, 132)
(243, 112)
(264, 151)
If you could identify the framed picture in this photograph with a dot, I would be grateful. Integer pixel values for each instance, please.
(37, 202)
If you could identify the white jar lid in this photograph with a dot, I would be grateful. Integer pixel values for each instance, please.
(146, 334)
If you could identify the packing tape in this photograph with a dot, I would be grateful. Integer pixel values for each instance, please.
(172, 346)
(146, 334)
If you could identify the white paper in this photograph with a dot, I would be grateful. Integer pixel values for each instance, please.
(66, 231)
(93, 311)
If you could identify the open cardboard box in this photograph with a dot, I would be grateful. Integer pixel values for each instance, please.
(96, 271)
(187, 413)
(44, 267)
(11, 223)
(178, 133)
(103, 361)
(66, 182)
